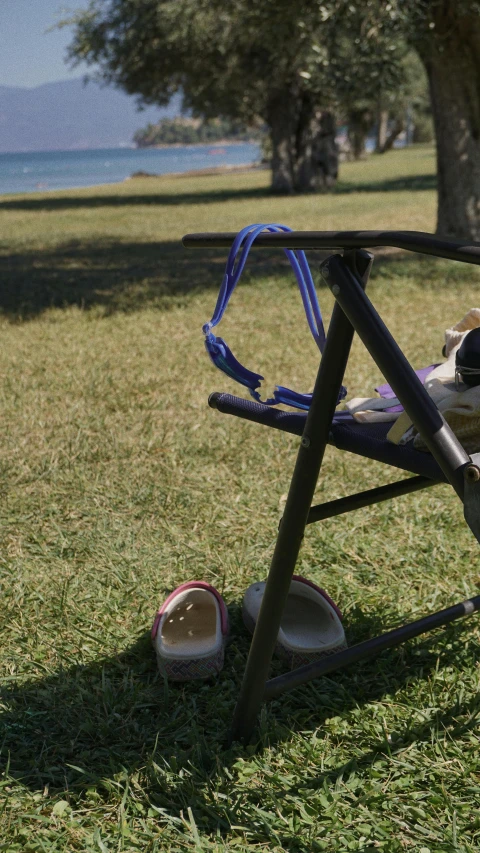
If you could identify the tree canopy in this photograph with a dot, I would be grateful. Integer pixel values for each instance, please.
(187, 131)
(289, 64)
(293, 65)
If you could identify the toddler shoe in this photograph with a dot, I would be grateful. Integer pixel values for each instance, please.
(311, 626)
(190, 632)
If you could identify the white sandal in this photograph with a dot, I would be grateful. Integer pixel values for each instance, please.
(311, 626)
(189, 633)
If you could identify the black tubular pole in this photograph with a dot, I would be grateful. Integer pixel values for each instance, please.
(439, 438)
(411, 241)
(292, 422)
(302, 487)
(373, 496)
(369, 649)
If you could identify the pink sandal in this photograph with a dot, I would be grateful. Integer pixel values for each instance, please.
(190, 632)
(311, 626)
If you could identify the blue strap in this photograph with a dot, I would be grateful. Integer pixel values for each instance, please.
(218, 350)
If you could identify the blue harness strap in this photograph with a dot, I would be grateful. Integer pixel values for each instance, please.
(219, 352)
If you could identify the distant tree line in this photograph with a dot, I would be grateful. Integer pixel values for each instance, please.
(409, 112)
(300, 69)
(190, 131)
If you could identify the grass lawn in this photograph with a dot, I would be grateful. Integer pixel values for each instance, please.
(118, 483)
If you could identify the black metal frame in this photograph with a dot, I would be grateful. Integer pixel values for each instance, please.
(347, 277)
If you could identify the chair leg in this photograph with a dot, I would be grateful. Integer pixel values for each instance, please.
(290, 535)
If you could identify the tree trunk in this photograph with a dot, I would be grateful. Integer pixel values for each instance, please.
(325, 151)
(356, 138)
(359, 124)
(398, 126)
(452, 62)
(316, 161)
(382, 131)
(281, 124)
(303, 163)
(304, 151)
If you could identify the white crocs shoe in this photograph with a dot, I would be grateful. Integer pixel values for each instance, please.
(311, 626)
(190, 632)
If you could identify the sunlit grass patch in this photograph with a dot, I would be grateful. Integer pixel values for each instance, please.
(118, 483)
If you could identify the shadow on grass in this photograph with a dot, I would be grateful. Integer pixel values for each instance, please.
(112, 276)
(408, 183)
(159, 199)
(127, 276)
(461, 719)
(90, 727)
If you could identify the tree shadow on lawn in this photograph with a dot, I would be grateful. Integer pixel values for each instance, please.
(90, 727)
(409, 183)
(117, 276)
(125, 199)
(112, 276)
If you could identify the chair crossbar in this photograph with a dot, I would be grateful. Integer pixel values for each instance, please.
(369, 648)
(330, 509)
(410, 241)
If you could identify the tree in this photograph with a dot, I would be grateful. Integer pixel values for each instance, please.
(446, 34)
(187, 131)
(409, 99)
(277, 61)
(240, 61)
(368, 55)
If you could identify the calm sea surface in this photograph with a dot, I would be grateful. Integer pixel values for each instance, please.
(58, 170)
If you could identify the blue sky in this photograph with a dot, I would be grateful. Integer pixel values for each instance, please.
(29, 55)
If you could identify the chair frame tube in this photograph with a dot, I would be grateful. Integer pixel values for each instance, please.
(369, 648)
(329, 509)
(411, 241)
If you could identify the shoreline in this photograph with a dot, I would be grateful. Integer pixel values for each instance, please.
(65, 171)
(220, 143)
(193, 173)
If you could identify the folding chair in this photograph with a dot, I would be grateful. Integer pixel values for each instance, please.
(347, 277)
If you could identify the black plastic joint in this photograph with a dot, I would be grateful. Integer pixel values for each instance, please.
(213, 399)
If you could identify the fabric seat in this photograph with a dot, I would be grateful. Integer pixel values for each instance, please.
(345, 433)
(370, 440)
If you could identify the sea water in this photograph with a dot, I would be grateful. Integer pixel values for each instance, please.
(59, 170)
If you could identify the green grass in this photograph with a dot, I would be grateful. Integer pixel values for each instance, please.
(118, 483)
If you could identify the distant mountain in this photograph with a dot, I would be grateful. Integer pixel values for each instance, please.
(71, 115)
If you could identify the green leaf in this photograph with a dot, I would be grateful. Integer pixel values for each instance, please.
(60, 808)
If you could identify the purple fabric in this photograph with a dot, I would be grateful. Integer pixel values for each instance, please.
(387, 392)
